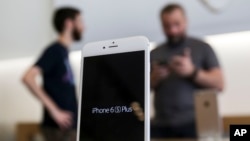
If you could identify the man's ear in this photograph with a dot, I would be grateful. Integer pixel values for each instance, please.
(187, 52)
(68, 24)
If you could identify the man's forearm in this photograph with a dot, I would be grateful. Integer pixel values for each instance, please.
(38, 92)
(43, 97)
(153, 82)
(211, 79)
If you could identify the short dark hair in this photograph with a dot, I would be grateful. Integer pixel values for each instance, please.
(171, 7)
(61, 15)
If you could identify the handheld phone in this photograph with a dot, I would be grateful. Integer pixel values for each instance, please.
(114, 100)
(162, 63)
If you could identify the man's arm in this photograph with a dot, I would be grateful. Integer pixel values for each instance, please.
(154, 81)
(158, 73)
(63, 118)
(212, 78)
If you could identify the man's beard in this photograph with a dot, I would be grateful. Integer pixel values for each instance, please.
(175, 40)
(77, 36)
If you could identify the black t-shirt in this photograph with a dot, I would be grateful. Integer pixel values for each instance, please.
(58, 81)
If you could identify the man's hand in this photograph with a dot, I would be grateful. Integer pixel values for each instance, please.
(158, 73)
(183, 65)
(62, 118)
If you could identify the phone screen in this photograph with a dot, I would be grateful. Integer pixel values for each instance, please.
(113, 88)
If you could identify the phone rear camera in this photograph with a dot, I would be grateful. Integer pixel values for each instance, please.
(103, 47)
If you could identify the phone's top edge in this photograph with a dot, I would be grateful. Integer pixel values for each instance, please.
(143, 38)
(131, 37)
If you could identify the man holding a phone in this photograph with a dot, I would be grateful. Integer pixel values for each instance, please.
(179, 67)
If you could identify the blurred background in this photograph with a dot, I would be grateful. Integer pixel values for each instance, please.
(26, 29)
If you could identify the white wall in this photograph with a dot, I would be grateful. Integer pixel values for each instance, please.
(234, 53)
(17, 104)
(25, 27)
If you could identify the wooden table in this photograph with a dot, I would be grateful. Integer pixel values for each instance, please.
(224, 139)
(173, 140)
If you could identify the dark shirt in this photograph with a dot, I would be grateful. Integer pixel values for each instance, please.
(58, 81)
(174, 100)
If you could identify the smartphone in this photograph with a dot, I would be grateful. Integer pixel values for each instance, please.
(162, 63)
(114, 93)
(208, 120)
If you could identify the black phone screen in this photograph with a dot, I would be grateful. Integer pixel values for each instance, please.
(112, 107)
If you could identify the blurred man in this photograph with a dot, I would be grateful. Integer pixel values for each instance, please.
(58, 94)
(179, 67)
